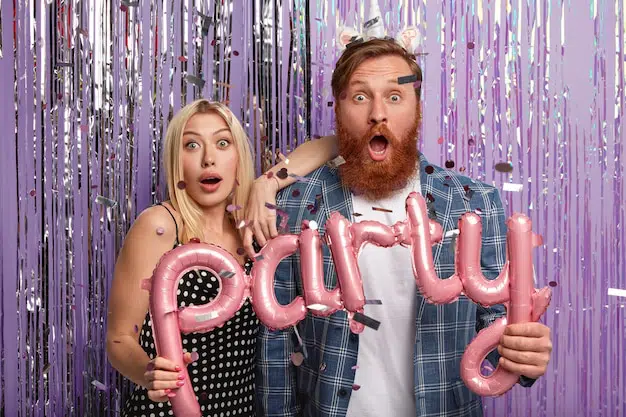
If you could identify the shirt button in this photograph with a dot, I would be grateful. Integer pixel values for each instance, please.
(343, 392)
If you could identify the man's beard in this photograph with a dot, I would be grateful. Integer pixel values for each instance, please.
(377, 179)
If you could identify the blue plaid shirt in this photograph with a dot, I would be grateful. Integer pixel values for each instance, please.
(322, 385)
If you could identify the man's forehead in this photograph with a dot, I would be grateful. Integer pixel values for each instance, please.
(380, 70)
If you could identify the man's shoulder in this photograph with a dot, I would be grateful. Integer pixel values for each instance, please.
(443, 179)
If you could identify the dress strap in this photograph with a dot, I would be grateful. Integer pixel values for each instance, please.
(173, 218)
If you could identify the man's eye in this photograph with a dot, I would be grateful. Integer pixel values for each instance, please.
(359, 97)
(395, 98)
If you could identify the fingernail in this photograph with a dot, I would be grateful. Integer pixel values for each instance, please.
(171, 394)
(194, 356)
(167, 391)
(181, 376)
(177, 368)
(180, 383)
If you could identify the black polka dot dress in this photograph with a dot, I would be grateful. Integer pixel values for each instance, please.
(223, 376)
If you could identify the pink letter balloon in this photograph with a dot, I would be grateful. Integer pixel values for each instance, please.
(513, 287)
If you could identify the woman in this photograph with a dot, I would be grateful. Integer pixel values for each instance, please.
(208, 164)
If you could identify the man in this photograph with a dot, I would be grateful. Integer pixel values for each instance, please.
(410, 365)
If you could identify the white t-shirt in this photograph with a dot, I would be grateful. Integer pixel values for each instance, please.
(385, 359)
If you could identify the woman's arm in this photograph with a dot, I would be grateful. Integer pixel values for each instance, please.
(303, 160)
(128, 302)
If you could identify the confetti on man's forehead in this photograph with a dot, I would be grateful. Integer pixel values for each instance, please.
(406, 79)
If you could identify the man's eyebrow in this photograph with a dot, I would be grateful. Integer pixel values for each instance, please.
(359, 83)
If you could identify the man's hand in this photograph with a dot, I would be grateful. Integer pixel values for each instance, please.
(526, 349)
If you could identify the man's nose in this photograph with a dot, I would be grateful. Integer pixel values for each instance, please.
(378, 112)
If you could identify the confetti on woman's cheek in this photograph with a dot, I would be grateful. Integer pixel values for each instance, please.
(160, 231)
(181, 185)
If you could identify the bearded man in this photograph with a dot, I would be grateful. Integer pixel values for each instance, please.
(410, 365)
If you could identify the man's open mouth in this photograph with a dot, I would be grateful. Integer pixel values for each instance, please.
(378, 146)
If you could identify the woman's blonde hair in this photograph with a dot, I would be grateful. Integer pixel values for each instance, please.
(189, 210)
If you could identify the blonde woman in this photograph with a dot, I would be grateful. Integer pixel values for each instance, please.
(208, 164)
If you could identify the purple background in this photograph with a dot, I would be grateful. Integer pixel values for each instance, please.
(87, 88)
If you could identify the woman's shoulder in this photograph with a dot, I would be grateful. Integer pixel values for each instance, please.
(159, 219)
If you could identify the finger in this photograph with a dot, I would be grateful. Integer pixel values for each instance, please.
(190, 357)
(266, 230)
(530, 329)
(165, 364)
(159, 375)
(524, 357)
(272, 228)
(531, 344)
(247, 243)
(162, 385)
(158, 396)
(258, 234)
(521, 369)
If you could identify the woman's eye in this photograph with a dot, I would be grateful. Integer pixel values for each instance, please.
(222, 143)
(192, 145)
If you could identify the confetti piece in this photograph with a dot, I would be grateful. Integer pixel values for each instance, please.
(440, 140)
(197, 81)
(182, 58)
(240, 251)
(136, 329)
(160, 231)
(357, 214)
(469, 194)
(236, 53)
(242, 224)
(150, 367)
(338, 161)
(84, 128)
(452, 233)
(46, 368)
(407, 79)
(269, 174)
(226, 274)
(382, 209)
(213, 42)
(194, 240)
(99, 385)
(504, 167)
(374, 302)
(449, 164)
(317, 307)
(429, 169)
(282, 174)
(231, 207)
(146, 284)
(32, 193)
(356, 387)
(206, 316)
(271, 206)
(470, 45)
(552, 283)
(508, 186)
(258, 258)
(194, 356)
(367, 321)
(617, 292)
(355, 367)
(430, 197)
(64, 64)
(297, 358)
(462, 169)
(323, 367)
(371, 22)
(181, 185)
(107, 202)
(295, 193)
(471, 142)
(330, 104)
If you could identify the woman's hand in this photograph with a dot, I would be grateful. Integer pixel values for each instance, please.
(261, 219)
(164, 377)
